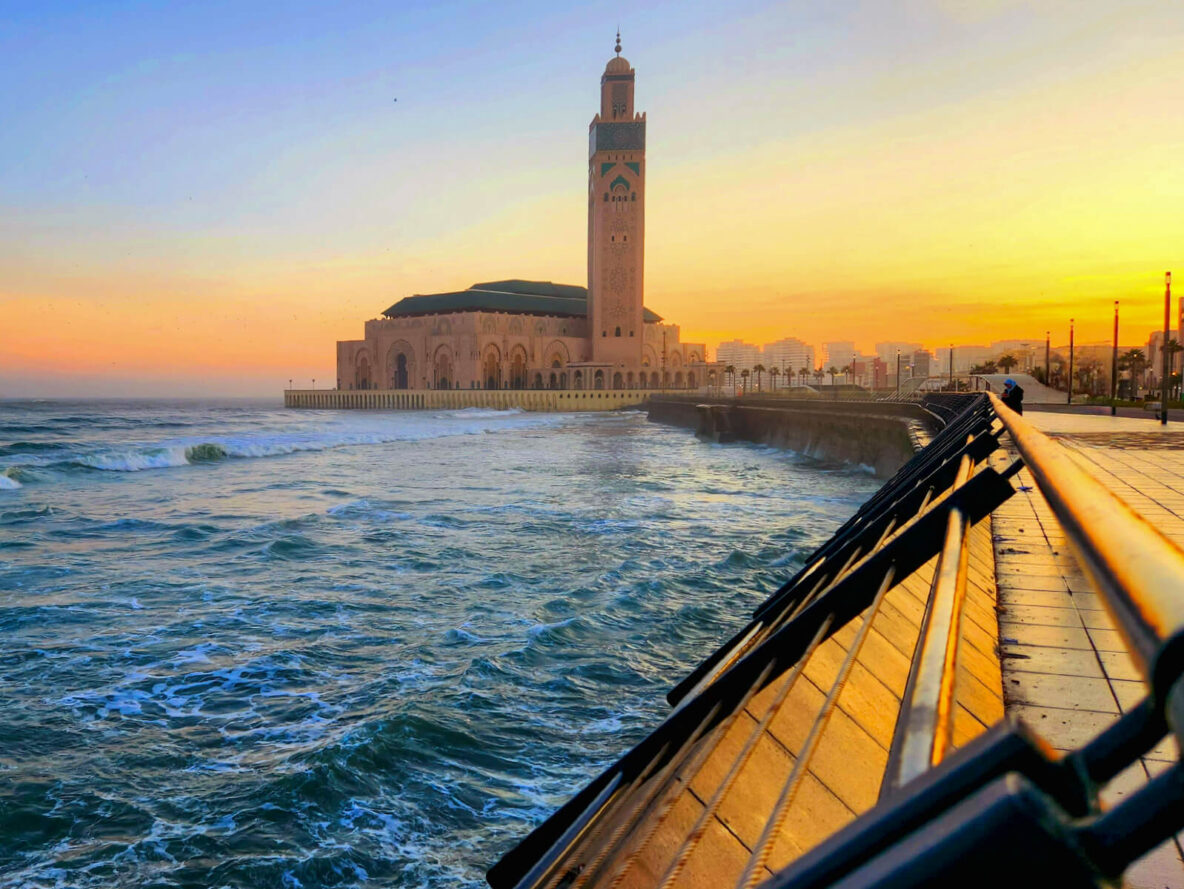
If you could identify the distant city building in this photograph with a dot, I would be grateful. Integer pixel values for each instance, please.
(1154, 353)
(886, 352)
(922, 363)
(517, 334)
(789, 355)
(738, 354)
(965, 357)
(839, 354)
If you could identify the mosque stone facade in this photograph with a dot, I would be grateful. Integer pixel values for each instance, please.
(520, 334)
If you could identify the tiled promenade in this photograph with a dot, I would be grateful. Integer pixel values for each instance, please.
(1065, 670)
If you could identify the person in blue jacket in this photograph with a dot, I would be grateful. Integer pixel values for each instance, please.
(1013, 395)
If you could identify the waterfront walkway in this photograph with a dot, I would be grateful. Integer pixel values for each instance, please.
(1065, 669)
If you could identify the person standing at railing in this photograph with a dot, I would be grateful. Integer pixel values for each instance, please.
(1013, 396)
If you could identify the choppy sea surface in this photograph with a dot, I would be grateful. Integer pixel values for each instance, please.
(250, 647)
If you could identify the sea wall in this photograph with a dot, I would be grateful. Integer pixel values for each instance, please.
(881, 435)
(555, 400)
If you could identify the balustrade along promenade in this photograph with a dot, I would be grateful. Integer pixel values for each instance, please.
(857, 732)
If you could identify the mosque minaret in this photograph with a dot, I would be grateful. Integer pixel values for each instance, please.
(525, 334)
(616, 219)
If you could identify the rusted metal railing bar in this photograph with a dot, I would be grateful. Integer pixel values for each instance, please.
(926, 715)
(1136, 569)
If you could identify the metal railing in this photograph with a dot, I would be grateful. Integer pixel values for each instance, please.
(1000, 810)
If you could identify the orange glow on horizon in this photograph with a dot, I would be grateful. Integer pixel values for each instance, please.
(914, 217)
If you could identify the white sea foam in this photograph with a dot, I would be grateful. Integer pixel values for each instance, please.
(359, 431)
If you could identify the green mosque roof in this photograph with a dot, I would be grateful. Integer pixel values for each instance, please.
(514, 296)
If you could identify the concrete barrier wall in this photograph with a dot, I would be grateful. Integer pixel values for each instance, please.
(882, 436)
(454, 399)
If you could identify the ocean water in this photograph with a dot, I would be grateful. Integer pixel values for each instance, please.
(251, 647)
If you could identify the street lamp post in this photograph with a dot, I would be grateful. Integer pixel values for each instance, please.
(1114, 367)
(1047, 343)
(898, 373)
(1167, 355)
(951, 367)
(1070, 398)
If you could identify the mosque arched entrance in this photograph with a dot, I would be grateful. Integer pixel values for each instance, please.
(491, 368)
(442, 369)
(362, 376)
(400, 366)
(518, 368)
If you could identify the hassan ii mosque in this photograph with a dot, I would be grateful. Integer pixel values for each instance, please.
(521, 334)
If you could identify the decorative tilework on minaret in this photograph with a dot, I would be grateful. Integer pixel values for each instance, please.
(616, 219)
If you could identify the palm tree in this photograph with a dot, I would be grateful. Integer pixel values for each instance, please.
(803, 372)
(773, 373)
(730, 371)
(744, 380)
(758, 370)
(847, 371)
(1136, 362)
(819, 373)
(1007, 362)
(832, 370)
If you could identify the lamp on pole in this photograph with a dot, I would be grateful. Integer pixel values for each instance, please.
(1070, 398)
(1047, 343)
(951, 367)
(314, 382)
(1114, 367)
(898, 373)
(1167, 355)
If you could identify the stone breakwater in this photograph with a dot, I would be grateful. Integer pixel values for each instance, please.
(880, 435)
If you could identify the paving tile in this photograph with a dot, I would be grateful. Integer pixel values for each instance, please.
(1129, 693)
(1118, 665)
(1041, 659)
(1047, 598)
(1034, 634)
(1063, 729)
(1041, 615)
(1166, 750)
(1106, 640)
(1066, 692)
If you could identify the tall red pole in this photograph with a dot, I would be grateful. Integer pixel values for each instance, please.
(1114, 367)
(1167, 355)
(1069, 400)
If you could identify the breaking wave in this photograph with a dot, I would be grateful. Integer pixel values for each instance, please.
(164, 455)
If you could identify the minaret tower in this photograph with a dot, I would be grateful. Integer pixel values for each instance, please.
(616, 220)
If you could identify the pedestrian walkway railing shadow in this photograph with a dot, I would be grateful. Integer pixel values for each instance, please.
(1003, 809)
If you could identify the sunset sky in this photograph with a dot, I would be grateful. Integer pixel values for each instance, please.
(203, 197)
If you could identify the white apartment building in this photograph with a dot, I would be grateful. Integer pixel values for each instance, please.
(789, 356)
(738, 354)
(839, 354)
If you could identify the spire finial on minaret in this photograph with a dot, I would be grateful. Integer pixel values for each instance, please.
(618, 47)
